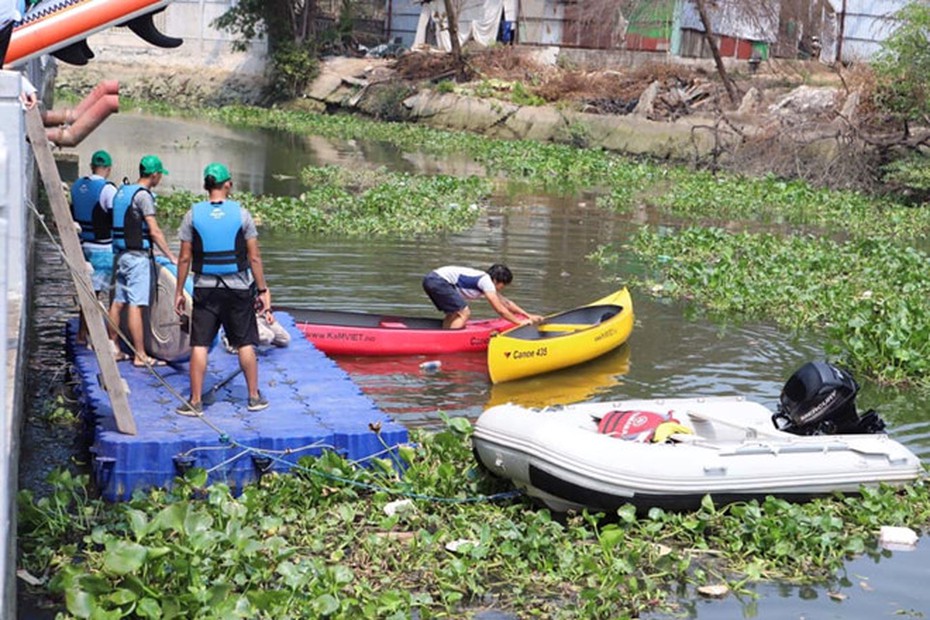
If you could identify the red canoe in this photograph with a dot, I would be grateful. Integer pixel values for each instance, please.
(357, 333)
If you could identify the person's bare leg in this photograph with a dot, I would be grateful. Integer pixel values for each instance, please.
(116, 309)
(198, 369)
(134, 318)
(249, 364)
(456, 320)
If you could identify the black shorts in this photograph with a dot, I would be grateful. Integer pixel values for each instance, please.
(231, 308)
(444, 296)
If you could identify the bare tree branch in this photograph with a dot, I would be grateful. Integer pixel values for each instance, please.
(709, 38)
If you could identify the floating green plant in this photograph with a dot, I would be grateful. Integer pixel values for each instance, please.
(379, 202)
(868, 296)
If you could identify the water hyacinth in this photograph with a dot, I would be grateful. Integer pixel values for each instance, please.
(319, 543)
(338, 201)
(868, 296)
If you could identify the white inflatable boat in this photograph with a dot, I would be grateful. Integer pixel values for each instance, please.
(728, 448)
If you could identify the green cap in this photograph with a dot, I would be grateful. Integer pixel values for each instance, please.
(101, 159)
(218, 171)
(150, 164)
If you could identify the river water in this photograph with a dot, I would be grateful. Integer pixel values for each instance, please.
(673, 351)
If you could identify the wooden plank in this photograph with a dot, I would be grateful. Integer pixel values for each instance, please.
(93, 310)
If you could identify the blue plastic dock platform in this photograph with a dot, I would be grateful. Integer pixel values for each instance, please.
(314, 406)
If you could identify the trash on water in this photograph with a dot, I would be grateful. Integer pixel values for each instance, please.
(714, 590)
(897, 538)
(431, 366)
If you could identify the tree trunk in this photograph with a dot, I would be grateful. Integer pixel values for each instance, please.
(452, 21)
(709, 37)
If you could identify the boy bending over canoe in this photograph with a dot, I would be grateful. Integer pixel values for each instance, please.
(449, 287)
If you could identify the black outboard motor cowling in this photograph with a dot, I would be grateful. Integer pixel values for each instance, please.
(820, 399)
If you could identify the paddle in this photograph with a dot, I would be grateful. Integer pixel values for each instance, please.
(210, 396)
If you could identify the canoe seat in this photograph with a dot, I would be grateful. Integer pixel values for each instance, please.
(563, 327)
(392, 325)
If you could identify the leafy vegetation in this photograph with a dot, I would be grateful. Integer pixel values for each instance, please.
(377, 202)
(320, 543)
(903, 64)
(289, 28)
(702, 195)
(869, 296)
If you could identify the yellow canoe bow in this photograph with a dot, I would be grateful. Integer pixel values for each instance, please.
(562, 340)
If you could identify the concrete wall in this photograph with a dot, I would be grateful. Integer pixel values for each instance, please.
(17, 192)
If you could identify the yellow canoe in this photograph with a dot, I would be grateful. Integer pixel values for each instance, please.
(562, 340)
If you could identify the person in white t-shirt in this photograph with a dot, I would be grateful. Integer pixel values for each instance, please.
(449, 287)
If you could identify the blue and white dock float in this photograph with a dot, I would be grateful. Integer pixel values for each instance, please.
(314, 406)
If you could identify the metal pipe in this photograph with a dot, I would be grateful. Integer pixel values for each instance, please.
(90, 119)
(67, 116)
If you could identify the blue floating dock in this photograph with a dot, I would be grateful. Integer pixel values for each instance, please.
(314, 406)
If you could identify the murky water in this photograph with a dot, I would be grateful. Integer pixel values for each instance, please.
(673, 350)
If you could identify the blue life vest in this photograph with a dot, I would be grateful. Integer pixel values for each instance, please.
(218, 241)
(87, 211)
(130, 232)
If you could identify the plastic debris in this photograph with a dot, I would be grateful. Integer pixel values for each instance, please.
(400, 506)
(29, 578)
(714, 590)
(431, 366)
(455, 545)
(897, 538)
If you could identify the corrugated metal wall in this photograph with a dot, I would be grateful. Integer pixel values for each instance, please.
(864, 26)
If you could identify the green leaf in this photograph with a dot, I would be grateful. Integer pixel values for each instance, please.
(171, 517)
(138, 523)
(123, 557)
(80, 603)
(611, 537)
(407, 454)
(148, 608)
(460, 425)
(122, 596)
(326, 605)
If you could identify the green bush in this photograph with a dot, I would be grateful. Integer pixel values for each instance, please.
(903, 66)
(293, 66)
(909, 177)
(385, 102)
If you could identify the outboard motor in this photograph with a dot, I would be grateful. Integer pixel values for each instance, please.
(820, 399)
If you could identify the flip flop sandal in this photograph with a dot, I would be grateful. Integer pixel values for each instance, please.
(150, 361)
